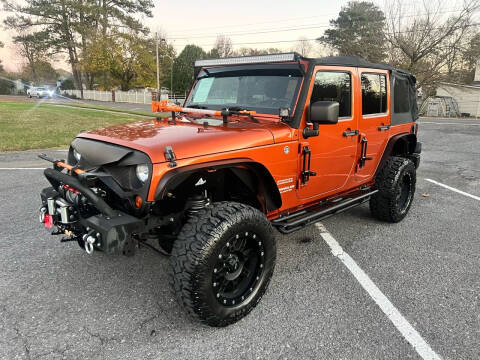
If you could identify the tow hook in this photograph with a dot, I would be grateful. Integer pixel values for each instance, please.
(41, 216)
(89, 240)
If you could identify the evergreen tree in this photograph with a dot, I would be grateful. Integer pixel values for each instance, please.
(358, 31)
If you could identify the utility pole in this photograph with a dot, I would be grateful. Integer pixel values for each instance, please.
(158, 67)
(171, 77)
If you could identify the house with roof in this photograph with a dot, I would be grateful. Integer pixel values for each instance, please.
(466, 97)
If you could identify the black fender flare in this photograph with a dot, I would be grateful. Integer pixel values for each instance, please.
(404, 142)
(269, 188)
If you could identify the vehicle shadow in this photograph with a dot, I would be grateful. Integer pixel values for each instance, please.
(137, 287)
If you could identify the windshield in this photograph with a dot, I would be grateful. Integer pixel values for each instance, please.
(248, 91)
(40, 89)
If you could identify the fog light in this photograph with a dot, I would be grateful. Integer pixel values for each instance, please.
(138, 201)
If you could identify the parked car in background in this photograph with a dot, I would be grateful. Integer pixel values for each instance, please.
(40, 92)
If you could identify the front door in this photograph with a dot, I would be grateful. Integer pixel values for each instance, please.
(333, 153)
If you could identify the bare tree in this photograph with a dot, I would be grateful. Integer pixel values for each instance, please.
(303, 46)
(244, 51)
(427, 44)
(223, 47)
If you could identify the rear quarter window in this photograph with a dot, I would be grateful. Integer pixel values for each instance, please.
(401, 99)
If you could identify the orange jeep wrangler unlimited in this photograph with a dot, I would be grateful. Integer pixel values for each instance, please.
(262, 142)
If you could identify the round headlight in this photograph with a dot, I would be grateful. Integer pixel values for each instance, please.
(77, 155)
(142, 172)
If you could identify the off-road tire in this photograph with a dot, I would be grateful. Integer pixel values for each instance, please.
(195, 256)
(396, 187)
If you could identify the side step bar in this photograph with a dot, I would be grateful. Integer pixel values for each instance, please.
(295, 221)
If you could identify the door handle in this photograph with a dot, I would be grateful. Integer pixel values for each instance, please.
(350, 133)
(383, 127)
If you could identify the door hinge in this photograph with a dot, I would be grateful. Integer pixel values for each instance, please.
(306, 172)
(363, 153)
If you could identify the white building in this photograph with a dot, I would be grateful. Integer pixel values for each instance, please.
(467, 96)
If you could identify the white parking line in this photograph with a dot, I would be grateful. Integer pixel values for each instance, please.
(446, 123)
(402, 324)
(453, 189)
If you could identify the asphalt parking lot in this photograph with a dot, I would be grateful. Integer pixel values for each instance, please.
(58, 302)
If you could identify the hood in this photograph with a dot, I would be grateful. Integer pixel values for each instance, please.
(191, 139)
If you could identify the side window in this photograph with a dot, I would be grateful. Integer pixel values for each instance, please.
(401, 100)
(334, 86)
(374, 94)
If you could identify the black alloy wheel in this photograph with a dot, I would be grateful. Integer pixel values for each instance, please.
(239, 268)
(404, 193)
(222, 262)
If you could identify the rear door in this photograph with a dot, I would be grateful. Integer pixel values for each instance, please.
(374, 122)
(332, 153)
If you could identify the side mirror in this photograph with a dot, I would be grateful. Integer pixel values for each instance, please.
(324, 112)
(321, 112)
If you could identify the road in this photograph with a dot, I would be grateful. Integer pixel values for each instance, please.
(67, 101)
(58, 302)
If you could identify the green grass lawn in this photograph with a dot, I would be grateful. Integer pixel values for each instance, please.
(26, 125)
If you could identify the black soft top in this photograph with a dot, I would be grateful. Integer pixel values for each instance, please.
(403, 92)
(354, 61)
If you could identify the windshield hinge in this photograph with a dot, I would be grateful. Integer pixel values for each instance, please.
(170, 156)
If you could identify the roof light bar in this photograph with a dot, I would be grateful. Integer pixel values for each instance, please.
(259, 59)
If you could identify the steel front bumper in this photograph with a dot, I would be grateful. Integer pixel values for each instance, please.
(110, 231)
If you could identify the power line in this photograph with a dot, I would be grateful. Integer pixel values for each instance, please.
(267, 30)
(249, 24)
(313, 39)
(196, 29)
(306, 27)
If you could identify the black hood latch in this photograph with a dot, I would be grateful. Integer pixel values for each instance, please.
(170, 156)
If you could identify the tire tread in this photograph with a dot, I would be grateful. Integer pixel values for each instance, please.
(382, 204)
(191, 250)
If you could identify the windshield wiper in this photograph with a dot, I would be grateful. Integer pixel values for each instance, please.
(237, 110)
(197, 107)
